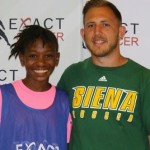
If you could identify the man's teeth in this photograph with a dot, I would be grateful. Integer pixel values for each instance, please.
(99, 41)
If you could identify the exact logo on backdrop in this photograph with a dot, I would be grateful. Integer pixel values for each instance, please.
(131, 37)
(2, 33)
(13, 27)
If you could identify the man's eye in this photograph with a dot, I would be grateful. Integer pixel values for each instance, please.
(106, 24)
(90, 26)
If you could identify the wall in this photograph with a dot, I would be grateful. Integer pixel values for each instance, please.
(135, 44)
(64, 18)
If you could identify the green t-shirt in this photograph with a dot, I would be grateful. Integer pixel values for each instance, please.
(110, 106)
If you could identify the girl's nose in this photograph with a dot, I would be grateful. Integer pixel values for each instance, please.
(40, 61)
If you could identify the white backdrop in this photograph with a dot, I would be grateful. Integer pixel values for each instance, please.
(135, 45)
(64, 18)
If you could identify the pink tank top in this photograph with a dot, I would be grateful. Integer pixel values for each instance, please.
(26, 96)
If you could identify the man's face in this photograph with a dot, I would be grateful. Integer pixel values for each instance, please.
(102, 31)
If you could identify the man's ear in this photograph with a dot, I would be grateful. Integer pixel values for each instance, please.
(82, 33)
(21, 58)
(122, 32)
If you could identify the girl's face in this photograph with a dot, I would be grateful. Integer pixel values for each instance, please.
(40, 61)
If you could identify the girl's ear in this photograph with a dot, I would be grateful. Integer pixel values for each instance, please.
(21, 58)
(57, 58)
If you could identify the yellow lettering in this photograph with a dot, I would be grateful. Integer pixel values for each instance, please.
(73, 114)
(97, 97)
(129, 102)
(88, 96)
(94, 114)
(106, 116)
(130, 118)
(78, 96)
(112, 98)
(118, 117)
(82, 113)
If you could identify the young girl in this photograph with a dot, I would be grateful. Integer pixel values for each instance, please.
(34, 113)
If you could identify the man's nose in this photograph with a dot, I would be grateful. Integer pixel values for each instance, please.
(98, 29)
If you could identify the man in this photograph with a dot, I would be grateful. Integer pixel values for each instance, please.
(109, 94)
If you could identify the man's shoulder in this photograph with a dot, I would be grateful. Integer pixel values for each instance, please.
(139, 66)
(141, 70)
(78, 65)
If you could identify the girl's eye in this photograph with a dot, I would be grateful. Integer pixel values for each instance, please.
(32, 56)
(49, 56)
